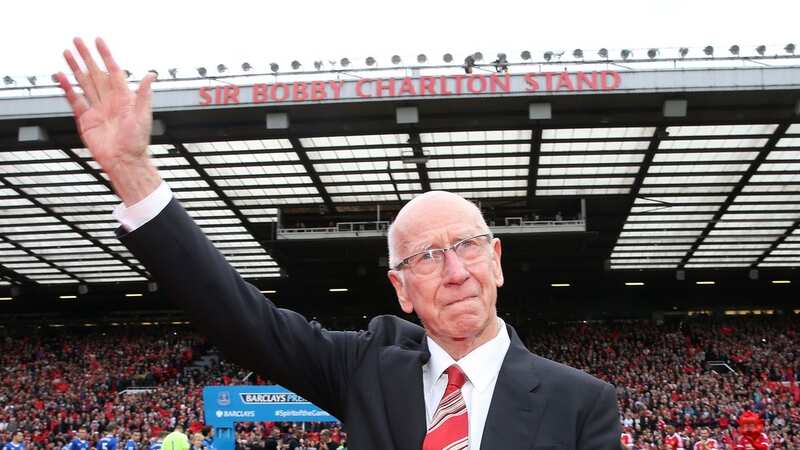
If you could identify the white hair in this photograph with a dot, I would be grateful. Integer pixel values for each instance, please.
(391, 234)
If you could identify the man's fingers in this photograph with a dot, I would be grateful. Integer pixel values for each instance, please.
(118, 79)
(96, 75)
(143, 95)
(86, 84)
(76, 101)
(105, 53)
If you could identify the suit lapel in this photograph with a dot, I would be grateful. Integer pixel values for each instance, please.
(516, 411)
(401, 381)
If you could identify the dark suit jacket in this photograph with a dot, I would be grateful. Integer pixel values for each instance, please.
(371, 380)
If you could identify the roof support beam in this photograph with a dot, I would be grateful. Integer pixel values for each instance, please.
(84, 234)
(23, 278)
(312, 173)
(184, 152)
(422, 171)
(751, 170)
(776, 244)
(533, 163)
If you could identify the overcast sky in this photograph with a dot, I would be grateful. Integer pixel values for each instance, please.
(147, 34)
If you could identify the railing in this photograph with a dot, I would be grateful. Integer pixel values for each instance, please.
(514, 225)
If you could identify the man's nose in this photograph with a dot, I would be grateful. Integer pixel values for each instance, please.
(454, 270)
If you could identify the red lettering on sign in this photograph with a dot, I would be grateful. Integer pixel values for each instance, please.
(273, 92)
(530, 80)
(379, 87)
(360, 88)
(217, 95)
(502, 84)
(407, 87)
(260, 93)
(299, 91)
(583, 79)
(481, 87)
(318, 90)
(443, 86)
(548, 78)
(565, 82)
(426, 86)
(459, 86)
(614, 82)
(336, 86)
(205, 97)
(231, 94)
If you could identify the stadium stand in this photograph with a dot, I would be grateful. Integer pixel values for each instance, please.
(694, 375)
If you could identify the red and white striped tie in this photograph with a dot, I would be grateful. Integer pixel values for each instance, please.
(449, 429)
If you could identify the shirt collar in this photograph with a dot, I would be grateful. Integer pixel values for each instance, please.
(481, 365)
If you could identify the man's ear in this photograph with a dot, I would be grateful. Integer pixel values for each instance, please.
(497, 252)
(396, 278)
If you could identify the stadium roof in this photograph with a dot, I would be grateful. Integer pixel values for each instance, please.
(718, 188)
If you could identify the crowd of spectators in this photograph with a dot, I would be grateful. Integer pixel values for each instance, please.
(691, 378)
(694, 375)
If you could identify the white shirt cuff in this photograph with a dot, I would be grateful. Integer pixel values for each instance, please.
(141, 212)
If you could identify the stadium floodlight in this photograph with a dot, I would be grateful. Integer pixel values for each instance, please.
(32, 80)
(525, 55)
(370, 61)
(789, 48)
(447, 57)
(8, 80)
(577, 53)
(274, 67)
(344, 62)
(478, 56)
(548, 55)
(222, 68)
(318, 65)
(501, 63)
(469, 63)
(296, 64)
(421, 58)
(625, 54)
(603, 53)
(246, 66)
(396, 59)
(652, 53)
(761, 49)
(683, 51)
(734, 50)
(202, 71)
(709, 50)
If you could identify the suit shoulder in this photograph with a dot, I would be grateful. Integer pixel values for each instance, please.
(390, 329)
(561, 374)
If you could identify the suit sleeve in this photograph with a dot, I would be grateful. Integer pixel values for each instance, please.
(251, 331)
(602, 429)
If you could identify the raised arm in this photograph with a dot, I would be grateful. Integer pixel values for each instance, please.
(113, 121)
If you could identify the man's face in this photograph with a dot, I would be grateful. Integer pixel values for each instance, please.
(458, 301)
(17, 437)
(82, 434)
(136, 436)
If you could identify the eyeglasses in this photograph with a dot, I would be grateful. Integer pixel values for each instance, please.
(428, 262)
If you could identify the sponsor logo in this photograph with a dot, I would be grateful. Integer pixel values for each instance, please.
(260, 398)
(224, 398)
(221, 414)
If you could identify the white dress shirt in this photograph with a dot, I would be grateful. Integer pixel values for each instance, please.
(481, 366)
(138, 214)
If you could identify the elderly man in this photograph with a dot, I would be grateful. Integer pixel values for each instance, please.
(462, 381)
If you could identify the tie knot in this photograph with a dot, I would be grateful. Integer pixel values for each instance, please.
(455, 377)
